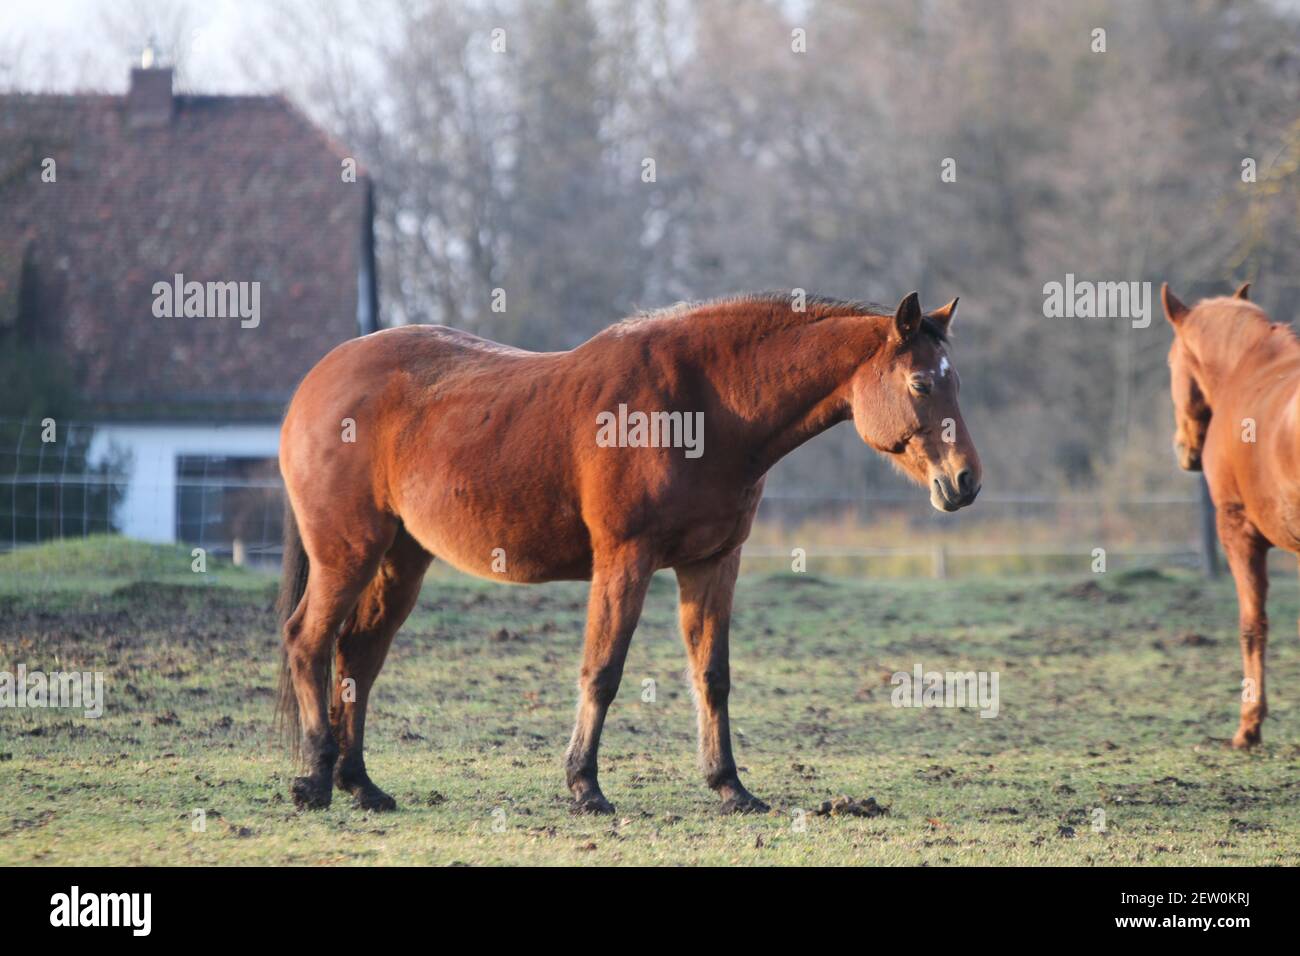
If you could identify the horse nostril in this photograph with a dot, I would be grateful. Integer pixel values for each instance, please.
(964, 482)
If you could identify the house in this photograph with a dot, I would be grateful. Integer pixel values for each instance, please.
(189, 258)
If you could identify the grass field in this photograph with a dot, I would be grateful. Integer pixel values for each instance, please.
(1116, 694)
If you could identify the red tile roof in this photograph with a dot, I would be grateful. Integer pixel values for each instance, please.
(225, 189)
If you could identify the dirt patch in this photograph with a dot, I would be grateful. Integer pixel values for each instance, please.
(1246, 826)
(1141, 576)
(28, 823)
(848, 807)
(801, 579)
(1092, 591)
(135, 615)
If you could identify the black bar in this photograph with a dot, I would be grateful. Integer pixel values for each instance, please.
(299, 905)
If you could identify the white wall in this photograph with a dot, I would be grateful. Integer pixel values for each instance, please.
(148, 509)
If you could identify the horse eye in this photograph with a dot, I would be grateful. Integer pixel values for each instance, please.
(921, 386)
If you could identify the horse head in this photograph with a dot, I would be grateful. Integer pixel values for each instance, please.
(904, 401)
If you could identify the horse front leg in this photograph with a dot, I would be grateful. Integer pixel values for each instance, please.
(705, 593)
(618, 586)
(1247, 553)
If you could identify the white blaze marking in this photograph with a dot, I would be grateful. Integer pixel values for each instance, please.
(943, 365)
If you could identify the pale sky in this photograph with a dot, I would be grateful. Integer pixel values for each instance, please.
(82, 44)
(66, 45)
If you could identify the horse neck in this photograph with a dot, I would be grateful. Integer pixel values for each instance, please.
(1226, 346)
(786, 386)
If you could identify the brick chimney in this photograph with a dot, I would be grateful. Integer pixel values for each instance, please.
(150, 101)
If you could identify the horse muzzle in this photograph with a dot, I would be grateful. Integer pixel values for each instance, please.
(1189, 459)
(949, 495)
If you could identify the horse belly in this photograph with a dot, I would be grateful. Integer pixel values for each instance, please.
(514, 545)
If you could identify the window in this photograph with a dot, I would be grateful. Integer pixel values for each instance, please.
(230, 506)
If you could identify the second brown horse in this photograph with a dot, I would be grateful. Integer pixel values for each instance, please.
(1235, 377)
(422, 441)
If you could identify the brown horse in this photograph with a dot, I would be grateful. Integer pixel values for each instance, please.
(424, 441)
(1235, 378)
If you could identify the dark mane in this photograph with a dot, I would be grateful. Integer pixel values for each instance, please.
(817, 307)
(823, 306)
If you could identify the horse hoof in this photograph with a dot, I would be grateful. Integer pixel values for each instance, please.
(744, 803)
(374, 799)
(593, 803)
(365, 795)
(1245, 739)
(310, 795)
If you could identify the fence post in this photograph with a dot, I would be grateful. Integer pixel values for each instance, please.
(1209, 539)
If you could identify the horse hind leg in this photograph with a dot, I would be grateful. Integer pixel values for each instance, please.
(331, 594)
(362, 647)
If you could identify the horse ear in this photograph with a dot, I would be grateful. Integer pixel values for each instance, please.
(1243, 292)
(1175, 311)
(942, 316)
(908, 318)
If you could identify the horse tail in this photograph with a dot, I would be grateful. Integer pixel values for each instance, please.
(293, 584)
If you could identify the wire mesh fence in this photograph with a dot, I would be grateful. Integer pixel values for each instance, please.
(900, 533)
(68, 480)
(74, 479)
(55, 489)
